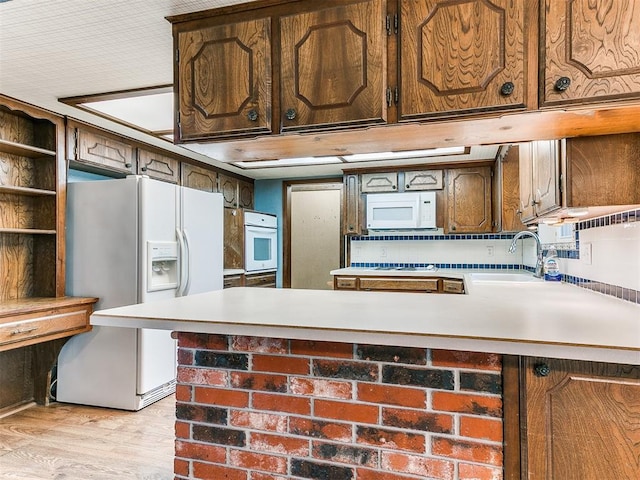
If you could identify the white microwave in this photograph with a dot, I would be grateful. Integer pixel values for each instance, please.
(401, 211)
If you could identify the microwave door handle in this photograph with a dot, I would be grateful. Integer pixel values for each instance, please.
(187, 284)
(181, 280)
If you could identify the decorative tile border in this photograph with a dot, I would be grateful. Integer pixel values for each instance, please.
(477, 236)
(627, 294)
(477, 266)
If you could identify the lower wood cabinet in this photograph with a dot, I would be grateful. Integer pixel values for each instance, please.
(579, 420)
(267, 280)
(399, 284)
(32, 332)
(233, 281)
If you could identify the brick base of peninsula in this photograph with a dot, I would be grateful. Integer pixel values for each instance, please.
(253, 408)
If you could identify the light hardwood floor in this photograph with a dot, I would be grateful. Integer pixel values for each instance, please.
(74, 442)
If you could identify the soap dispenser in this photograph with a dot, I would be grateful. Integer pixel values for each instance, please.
(551, 267)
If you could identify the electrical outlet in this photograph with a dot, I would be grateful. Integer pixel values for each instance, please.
(585, 253)
(490, 250)
(383, 252)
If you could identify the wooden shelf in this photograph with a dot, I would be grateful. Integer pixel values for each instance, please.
(27, 191)
(24, 150)
(29, 231)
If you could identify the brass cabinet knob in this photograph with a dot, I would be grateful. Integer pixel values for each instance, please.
(252, 115)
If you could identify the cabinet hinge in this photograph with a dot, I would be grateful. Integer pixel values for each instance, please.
(389, 97)
(177, 55)
(396, 95)
(75, 144)
(395, 24)
(388, 25)
(561, 180)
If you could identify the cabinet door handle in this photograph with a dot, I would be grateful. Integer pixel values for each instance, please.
(290, 114)
(127, 165)
(562, 84)
(20, 331)
(252, 115)
(144, 169)
(541, 370)
(507, 89)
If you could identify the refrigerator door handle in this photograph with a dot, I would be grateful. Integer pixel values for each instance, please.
(187, 281)
(183, 260)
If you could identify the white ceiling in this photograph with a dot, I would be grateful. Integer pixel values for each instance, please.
(51, 49)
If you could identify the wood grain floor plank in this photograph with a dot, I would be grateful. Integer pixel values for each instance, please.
(75, 442)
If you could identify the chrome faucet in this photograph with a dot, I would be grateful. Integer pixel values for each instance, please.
(525, 233)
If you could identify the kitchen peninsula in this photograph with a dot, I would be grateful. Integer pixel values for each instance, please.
(370, 385)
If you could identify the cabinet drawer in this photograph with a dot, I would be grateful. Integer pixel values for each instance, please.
(232, 281)
(346, 283)
(261, 280)
(25, 330)
(400, 284)
(452, 285)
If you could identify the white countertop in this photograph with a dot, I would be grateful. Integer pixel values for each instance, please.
(534, 319)
(232, 271)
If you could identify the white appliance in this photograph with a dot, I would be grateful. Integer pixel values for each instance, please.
(134, 240)
(260, 242)
(401, 211)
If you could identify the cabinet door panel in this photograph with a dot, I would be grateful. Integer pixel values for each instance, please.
(245, 195)
(581, 419)
(423, 180)
(546, 175)
(352, 205)
(594, 46)
(233, 238)
(469, 200)
(199, 178)
(379, 182)
(157, 166)
(228, 186)
(461, 56)
(333, 67)
(225, 80)
(105, 152)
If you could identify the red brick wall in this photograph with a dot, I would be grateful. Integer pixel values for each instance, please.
(252, 408)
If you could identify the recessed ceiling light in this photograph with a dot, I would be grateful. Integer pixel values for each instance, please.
(288, 162)
(432, 152)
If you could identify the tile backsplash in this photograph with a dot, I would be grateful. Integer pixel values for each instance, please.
(604, 255)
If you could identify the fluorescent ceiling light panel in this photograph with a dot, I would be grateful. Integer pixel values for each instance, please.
(432, 152)
(153, 113)
(288, 162)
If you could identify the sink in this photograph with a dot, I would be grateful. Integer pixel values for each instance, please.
(505, 277)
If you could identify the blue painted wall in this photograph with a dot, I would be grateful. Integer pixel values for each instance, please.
(268, 199)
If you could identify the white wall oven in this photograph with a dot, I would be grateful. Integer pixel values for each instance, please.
(260, 242)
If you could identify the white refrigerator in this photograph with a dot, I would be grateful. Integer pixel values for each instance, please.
(133, 240)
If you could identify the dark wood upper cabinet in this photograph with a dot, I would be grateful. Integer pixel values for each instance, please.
(468, 200)
(333, 66)
(224, 78)
(590, 51)
(461, 57)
